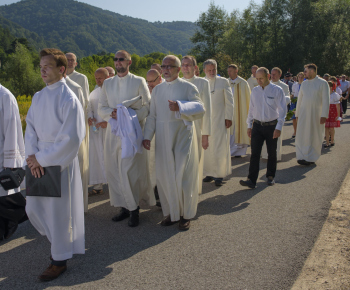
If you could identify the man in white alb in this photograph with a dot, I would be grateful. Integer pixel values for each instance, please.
(12, 202)
(97, 135)
(83, 157)
(276, 74)
(252, 80)
(176, 146)
(203, 125)
(312, 112)
(217, 158)
(153, 78)
(267, 111)
(239, 140)
(128, 178)
(55, 130)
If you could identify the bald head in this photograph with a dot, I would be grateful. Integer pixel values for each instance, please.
(111, 71)
(72, 62)
(157, 67)
(100, 75)
(153, 78)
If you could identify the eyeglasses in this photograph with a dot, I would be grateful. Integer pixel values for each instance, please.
(153, 80)
(167, 66)
(119, 58)
(186, 65)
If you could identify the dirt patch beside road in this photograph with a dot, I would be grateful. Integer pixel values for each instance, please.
(328, 265)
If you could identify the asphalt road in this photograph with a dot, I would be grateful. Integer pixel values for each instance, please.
(240, 239)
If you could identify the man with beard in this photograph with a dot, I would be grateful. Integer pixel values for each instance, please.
(128, 178)
(217, 158)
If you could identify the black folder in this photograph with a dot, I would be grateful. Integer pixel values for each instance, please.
(47, 185)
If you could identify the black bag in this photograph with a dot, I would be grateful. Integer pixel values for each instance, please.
(11, 178)
(47, 185)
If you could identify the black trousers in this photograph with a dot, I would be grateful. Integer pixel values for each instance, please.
(344, 104)
(12, 210)
(259, 135)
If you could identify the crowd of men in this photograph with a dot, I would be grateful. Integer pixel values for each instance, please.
(163, 135)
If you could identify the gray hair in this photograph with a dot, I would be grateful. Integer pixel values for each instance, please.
(175, 58)
(210, 62)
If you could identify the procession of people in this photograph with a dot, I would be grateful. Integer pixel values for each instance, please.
(163, 134)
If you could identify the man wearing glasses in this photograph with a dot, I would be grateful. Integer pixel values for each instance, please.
(153, 78)
(203, 126)
(176, 146)
(127, 178)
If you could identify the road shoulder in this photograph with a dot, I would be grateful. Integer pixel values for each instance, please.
(328, 265)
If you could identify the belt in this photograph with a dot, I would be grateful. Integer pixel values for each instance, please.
(270, 123)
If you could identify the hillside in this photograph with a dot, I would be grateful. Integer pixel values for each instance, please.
(88, 30)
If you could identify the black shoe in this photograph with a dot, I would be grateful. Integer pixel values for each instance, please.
(304, 162)
(158, 203)
(238, 156)
(218, 182)
(12, 227)
(122, 215)
(134, 217)
(208, 179)
(332, 144)
(270, 180)
(248, 183)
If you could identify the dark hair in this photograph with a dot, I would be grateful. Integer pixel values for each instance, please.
(59, 56)
(311, 66)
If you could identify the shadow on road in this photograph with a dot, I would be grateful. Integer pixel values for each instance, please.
(224, 204)
(107, 242)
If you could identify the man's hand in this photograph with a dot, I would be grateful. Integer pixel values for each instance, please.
(205, 142)
(276, 134)
(173, 106)
(249, 132)
(102, 125)
(32, 162)
(146, 144)
(323, 120)
(114, 114)
(228, 123)
(90, 120)
(37, 172)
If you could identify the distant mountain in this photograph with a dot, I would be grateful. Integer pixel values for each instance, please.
(18, 31)
(85, 30)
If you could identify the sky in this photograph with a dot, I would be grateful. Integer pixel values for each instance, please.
(151, 10)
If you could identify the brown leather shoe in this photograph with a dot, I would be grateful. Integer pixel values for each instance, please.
(52, 272)
(184, 224)
(167, 222)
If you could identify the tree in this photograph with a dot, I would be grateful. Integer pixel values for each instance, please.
(211, 28)
(21, 77)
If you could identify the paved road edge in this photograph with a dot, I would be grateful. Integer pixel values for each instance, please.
(328, 265)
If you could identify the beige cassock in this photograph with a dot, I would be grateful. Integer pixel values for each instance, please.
(203, 125)
(217, 158)
(176, 149)
(286, 91)
(128, 179)
(252, 82)
(96, 142)
(83, 155)
(239, 139)
(313, 103)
